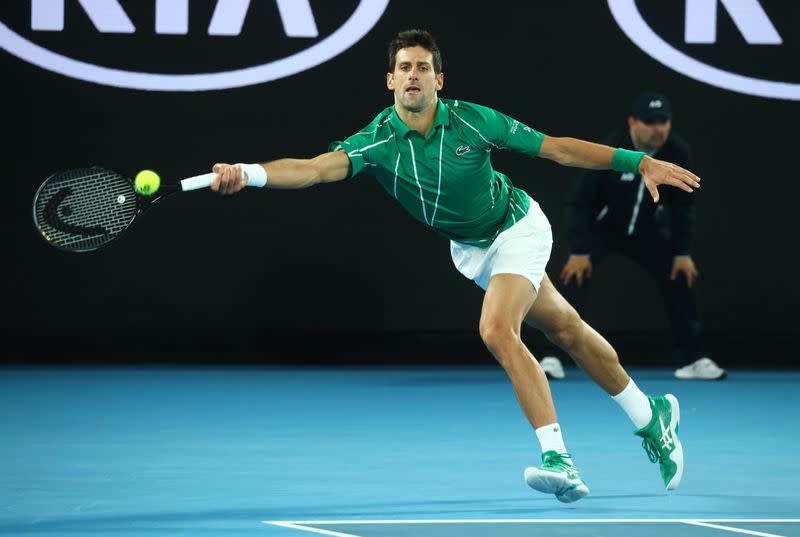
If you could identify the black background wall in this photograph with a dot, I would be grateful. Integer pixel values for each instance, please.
(339, 272)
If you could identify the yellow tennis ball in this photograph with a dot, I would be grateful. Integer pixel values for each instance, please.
(147, 182)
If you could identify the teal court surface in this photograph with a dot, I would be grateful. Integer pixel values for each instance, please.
(378, 452)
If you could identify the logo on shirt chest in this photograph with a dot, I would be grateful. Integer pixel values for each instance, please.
(462, 150)
(628, 176)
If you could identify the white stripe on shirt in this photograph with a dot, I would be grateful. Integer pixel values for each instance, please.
(351, 153)
(439, 189)
(396, 166)
(377, 127)
(421, 196)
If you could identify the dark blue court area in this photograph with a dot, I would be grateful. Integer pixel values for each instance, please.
(378, 452)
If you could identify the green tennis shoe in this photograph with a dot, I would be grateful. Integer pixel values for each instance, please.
(557, 475)
(660, 439)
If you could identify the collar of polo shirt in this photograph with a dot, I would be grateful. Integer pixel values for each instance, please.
(442, 118)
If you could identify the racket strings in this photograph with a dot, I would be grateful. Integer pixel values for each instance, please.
(83, 209)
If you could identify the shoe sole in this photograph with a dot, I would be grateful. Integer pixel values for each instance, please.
(677, 454)
(573, 495)
(555, 483)
(552, 368)
(721, 376)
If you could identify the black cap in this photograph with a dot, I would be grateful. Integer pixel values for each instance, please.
(651, 107)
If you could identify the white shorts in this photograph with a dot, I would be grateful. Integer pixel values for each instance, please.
(522, 249)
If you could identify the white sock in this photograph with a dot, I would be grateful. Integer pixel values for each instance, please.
(635, 404)
(550, 438)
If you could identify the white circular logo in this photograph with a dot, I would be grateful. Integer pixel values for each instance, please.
(630, 20)
(363, 19)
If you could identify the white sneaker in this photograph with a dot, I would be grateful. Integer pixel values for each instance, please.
(703, 369)
(552, 367)
(557, 475)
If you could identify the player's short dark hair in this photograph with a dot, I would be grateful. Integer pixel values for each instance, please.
(415, 38)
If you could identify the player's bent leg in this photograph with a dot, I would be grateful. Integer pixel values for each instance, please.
(508, 297)
(561, 324)
(657, 418)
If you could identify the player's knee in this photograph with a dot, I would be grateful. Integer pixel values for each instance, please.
(499, 337)
(566, 328)
(502, 341)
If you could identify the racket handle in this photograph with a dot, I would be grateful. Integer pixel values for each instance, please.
(198, 181)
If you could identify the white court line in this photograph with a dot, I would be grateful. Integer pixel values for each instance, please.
(293, 526)
(533, 521)
(303, 525)
(728, 528)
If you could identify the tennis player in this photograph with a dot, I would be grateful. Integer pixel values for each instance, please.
(433, 156)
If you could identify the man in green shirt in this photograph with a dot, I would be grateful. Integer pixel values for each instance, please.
(432, 156)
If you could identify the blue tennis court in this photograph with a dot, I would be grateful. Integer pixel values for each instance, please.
(383, 451)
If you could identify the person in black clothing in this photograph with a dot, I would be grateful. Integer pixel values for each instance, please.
(609, 211)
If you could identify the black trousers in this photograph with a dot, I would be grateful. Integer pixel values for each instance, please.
(654, 255)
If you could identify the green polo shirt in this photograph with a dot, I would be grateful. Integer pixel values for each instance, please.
(446, 180)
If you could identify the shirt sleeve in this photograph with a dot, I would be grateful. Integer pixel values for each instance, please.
(504, 132)
(352, 146)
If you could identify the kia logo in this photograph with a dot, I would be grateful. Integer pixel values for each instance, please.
(755, 27)
(224, 55)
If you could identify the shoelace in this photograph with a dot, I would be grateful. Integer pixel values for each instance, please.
(651, 448)
(557, 461)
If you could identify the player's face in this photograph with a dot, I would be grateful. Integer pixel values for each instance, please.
(414, 81)
(649, 136)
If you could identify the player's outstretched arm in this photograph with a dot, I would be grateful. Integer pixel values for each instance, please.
(285, 173)
(583, 154)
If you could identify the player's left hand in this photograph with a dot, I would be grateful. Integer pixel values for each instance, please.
(684, 264)
(658, 172)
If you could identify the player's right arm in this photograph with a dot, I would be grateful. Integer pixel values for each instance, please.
(287, 173)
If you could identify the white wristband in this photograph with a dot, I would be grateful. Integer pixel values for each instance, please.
(256, 174)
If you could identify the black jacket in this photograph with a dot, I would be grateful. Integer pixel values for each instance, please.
(619, 205)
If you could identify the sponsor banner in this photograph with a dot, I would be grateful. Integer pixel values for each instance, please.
(757, 31)
(112, 23)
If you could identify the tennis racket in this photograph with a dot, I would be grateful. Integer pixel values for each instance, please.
(84, 209)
